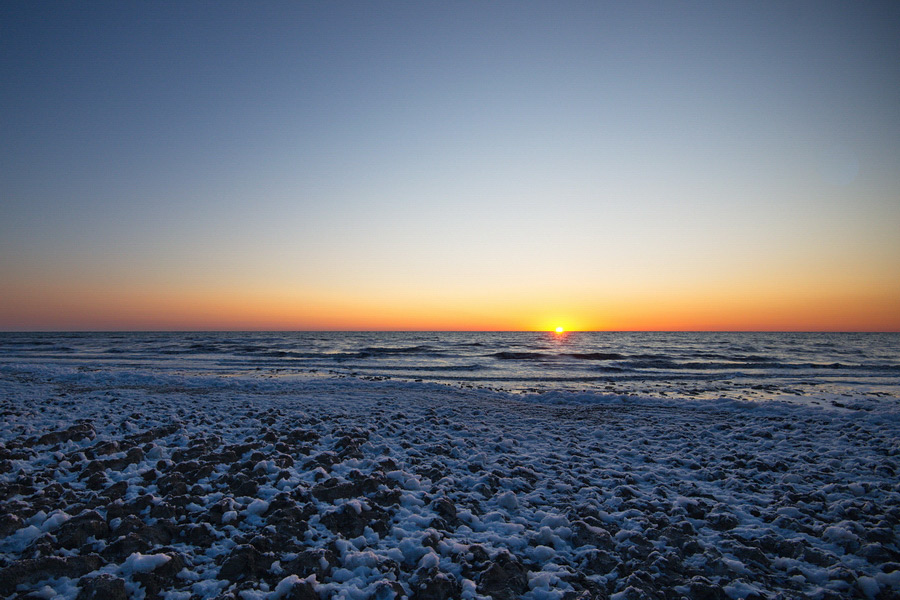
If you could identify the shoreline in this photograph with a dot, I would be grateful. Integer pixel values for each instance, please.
(352, 489)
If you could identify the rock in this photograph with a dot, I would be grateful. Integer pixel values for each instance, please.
(42, 546)
(193, 471)
(386, 498)
(75, 532)
(130, 523)
(697, 509)
(388, 464)
(30, 571)
(633, 593)
(244, 562)
(640, 580)
(333, 489)
(589, 535)
(125, 546)
(197, 534)
(301, 435)
(750, 555)
(162, 577)
(445, 508)
(172, 568)
(504, 579)
(97, 481)
(102, 587)
(9, 523)
(280, 501)
(703, 589)
(72, 434)
(152, 434)
(722, 521)
(283, 461)
(349, 523)
(102, 449)
(435, 585)
(115, 491)
(388, 590)
(172, 485)
(301, 590)
(218, 510)
(292, 521)
(163, 510)
(877, 554)
(586, 589)
(161, 533)
(788, 548)
(477, 556)
(316, 562)
(263, 543)
(879, 535)
(598, 562)
(133, 456)
(246, 487)
(322, 459)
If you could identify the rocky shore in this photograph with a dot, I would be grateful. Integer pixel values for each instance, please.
(354, 489)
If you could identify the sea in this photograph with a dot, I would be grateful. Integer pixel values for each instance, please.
(844, 370)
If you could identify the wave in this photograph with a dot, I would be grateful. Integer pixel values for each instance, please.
(683, 365)
(197, 348)
(380, 350)
(769, 365)
(520, 355)
(740, 358)
(416, 369)
(595, 355)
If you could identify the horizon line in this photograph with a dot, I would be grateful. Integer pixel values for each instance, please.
(32, 331)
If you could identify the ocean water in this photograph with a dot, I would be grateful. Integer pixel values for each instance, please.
(839, 369)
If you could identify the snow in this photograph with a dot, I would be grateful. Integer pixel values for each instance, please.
(144, 563)
(869, 586)
(738, 590)
(257, 507)
(229, 516)
(54, 521)
(46, 592)
(554, 485)
(284, 586)
(18, 541)
(508, 501)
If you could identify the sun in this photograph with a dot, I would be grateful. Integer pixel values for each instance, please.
(560, 330)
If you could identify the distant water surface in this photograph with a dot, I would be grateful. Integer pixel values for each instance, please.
(806, 367)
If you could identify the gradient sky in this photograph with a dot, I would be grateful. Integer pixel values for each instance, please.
(337, 165)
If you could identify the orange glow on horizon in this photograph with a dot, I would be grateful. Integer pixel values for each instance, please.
(134, 311)
(91, 305)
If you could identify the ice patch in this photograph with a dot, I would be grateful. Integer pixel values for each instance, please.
(54, 520)
(869, 586)
(738, 590)
(508, 500)
(286, 585)
(18, 541)
(257, 507)
(143, 563)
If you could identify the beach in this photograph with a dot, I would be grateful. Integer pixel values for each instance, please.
(211, 487)
(449, 301)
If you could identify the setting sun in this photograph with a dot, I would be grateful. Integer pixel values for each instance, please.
(559, 330)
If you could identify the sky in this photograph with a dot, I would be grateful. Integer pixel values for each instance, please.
(450, 165)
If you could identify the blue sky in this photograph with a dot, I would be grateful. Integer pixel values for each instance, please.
(487, 162)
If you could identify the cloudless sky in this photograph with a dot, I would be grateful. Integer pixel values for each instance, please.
(455, 165)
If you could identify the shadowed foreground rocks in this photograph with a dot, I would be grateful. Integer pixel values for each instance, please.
(438, 495)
